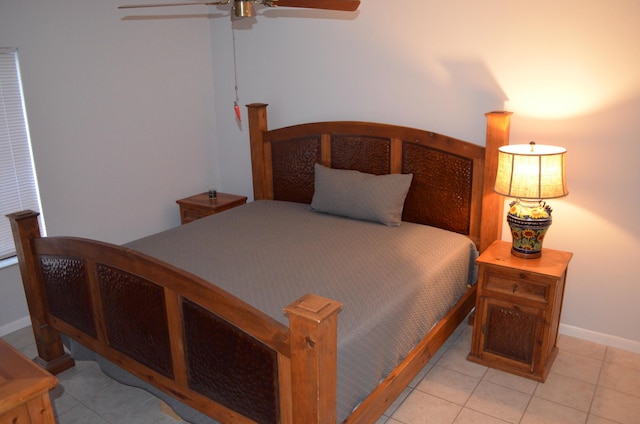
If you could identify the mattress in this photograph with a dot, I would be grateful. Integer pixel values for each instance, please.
(395, 282)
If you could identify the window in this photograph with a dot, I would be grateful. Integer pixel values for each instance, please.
(18, 186)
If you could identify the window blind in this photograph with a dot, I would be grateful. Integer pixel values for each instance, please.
(18, 186)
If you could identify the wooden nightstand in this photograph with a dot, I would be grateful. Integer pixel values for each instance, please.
(518, 309)
(24, 389)
(200, 205)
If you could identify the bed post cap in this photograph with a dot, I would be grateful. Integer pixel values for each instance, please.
(313, 307)
(17, 216)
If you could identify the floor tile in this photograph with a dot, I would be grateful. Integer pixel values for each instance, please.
(463, 342)
(621, 379)
(20, 338)
(422, 408)
(469, 416)
(623, 357)
(146, 413)
(577, 366)
(119, 403)
(80, 415)
(498, 401)
(541, 411)
(62, 401)
(448, 384)
(616, 406)
(581, 347)
(567, 391)
(86, 384)
(511, 381)
(599, 420)
(456, 359)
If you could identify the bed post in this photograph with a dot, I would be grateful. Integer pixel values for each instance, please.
(51, 355)
(257, 127)
(314, 344)
(492, 203)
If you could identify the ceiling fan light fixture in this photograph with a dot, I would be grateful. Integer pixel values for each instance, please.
(243, 8)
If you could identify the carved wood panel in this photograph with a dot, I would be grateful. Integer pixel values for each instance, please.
(292, 162)
(136, 318)
(66, 286)
(242, 374)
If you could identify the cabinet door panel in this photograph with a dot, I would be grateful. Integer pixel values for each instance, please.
(511, 332)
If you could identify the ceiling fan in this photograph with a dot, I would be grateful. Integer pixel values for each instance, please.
(244, 8)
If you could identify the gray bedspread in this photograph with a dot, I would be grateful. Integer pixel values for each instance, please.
(395, 282)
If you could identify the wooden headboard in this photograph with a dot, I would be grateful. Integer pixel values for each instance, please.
(452, 185)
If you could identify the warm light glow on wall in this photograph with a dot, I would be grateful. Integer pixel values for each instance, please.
(570, 68)
(571, 89)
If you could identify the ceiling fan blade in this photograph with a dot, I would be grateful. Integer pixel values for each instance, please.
(135, 6)
(344, 5)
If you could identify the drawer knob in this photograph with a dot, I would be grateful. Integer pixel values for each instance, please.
(523, 276)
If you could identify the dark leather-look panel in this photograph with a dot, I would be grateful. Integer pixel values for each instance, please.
(511, 334)
(67, 291)
(229, 366)
(362, 153)
(293, 162)
(135, 318)
(441, 188)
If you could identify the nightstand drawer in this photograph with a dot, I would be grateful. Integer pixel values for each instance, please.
(188, 215)
(517, 285)
(201, 205)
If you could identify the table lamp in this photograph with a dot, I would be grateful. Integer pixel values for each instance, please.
(530, 173)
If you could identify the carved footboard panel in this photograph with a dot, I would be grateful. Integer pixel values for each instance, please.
(173, 330)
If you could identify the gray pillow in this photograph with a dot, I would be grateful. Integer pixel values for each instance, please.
(354, 194)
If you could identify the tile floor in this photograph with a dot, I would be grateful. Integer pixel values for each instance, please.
(589, 383)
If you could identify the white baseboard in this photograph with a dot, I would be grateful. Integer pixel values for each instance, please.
(15, 325)
(605, 339)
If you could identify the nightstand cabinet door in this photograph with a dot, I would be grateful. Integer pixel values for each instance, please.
(512, 333)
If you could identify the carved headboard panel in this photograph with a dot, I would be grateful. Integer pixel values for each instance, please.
(440, 194)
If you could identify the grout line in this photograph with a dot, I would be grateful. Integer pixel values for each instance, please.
(602, 363)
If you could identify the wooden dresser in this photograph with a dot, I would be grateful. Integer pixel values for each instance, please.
(201, 205)
(24, 389)
(518, 308)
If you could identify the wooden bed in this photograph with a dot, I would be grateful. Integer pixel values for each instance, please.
(91, 291)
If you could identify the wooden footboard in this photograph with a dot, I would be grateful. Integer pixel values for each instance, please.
(177, 332)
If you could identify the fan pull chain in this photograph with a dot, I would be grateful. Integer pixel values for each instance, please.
(236, 108)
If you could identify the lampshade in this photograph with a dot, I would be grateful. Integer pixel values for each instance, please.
(531, 171)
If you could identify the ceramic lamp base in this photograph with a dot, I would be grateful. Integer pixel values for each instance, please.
(529, 223)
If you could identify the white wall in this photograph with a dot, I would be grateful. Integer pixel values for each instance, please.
(121, 118)
(567, 70)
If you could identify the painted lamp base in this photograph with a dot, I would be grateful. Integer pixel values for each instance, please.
(529, 223)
